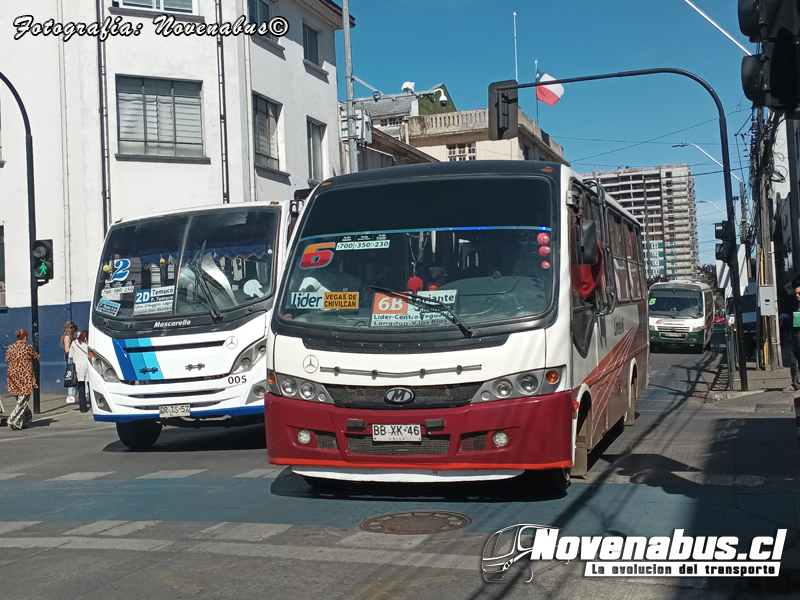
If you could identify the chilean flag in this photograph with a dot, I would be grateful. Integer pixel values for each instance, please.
(549, 94)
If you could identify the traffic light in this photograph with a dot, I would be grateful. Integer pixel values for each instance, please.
(770, 78)
(503, 110)
(724, 231)
(42, 252)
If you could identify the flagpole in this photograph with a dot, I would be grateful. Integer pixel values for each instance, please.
(536, 78)
(516, 73)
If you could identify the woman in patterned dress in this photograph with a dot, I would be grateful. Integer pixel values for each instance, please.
(21, 382)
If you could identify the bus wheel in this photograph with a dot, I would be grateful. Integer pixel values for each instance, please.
(630, 415)
(139, 435)
(557, 480)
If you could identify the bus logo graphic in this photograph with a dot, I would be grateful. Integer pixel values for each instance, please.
(505, 547)
(398, 395)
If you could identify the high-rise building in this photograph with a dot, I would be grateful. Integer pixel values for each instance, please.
(665, 197)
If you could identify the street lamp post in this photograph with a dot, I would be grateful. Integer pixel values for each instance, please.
(708, 155)
(712, 204)
(31, 238)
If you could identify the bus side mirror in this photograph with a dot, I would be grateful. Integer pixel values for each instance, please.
(588, 252)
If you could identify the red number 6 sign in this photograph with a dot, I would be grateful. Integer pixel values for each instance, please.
(317, 256)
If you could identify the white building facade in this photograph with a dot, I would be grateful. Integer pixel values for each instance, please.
(144, 123)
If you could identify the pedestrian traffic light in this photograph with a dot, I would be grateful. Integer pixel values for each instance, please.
(724, 231)
(503, 110)
(770, 78)
(42, 264)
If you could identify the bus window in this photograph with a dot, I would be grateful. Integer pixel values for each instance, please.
(633, 248)
(620, 263)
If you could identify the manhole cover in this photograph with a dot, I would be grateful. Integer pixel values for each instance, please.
(416, 522)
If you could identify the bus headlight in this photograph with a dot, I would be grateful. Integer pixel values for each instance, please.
(522, 385)
(289, 386)
(307, 390)
(299, 389)
(249, 356)
(103, 367)
(699, 328)
(653, 328)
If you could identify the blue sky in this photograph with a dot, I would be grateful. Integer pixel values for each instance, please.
(467, 44)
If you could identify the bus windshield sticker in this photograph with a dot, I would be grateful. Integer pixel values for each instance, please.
(652, 301)
(118, 288)
(348, 243)
(122, 267)
(306, 300)
(166, 290)
(391, 311)
(317, 255)
(106, 307)
(149, 308)
(341, 301)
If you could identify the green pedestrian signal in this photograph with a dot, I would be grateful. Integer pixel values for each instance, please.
(42, 260)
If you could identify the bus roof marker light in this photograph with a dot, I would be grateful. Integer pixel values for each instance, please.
(547, 169)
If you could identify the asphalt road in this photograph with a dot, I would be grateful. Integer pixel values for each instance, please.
(203, 515)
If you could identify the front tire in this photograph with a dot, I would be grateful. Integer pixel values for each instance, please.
(139, 435)
(557, 480)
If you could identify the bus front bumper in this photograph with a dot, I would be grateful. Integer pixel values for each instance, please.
(693, 338)
(539, 431)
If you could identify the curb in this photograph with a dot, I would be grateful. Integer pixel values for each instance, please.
(720, 396)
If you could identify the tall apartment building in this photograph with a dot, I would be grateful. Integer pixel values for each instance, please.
(665, 196)
(150, 122)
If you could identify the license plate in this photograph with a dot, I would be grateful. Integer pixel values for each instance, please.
(396, 433)
(673, 335)
(174, 410)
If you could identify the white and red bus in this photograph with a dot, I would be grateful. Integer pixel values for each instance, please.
(455, 322)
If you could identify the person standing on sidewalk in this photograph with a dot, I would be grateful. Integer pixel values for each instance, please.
(794, 366)
(69, 335)
(79, 353)
(21, 382)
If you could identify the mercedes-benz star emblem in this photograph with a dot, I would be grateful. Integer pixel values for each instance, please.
(398, 395)
(310, 363)
(231, 343)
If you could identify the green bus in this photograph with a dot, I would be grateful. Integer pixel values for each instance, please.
(681, 313)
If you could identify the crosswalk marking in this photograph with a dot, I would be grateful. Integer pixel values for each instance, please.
(81, 476)
(252, 532)
(9, 526)
(4, 476)
(368, 539)
(95, 527)
(175, 474)
(128, 528)
(259, 473)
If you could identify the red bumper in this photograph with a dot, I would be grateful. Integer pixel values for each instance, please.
(539, 431)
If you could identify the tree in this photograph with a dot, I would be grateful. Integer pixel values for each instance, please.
(708, 274)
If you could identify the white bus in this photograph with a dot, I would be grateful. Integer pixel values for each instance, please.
(682, 314)
(454, 322)
(179, 317)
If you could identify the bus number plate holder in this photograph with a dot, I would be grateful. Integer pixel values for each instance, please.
(672, 335)
(396, 433)
(174, 410)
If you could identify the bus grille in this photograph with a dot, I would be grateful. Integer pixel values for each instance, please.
(360, 444)
(326, 440)
(471, 442)
(430, 396)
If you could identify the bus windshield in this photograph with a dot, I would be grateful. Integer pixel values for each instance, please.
(186, 264)
(473, 251)
(676, 303)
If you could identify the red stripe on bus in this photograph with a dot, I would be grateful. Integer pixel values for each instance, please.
(425, 466)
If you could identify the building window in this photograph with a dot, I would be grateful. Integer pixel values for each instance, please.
(391, 121)
(179, 6)
(316, 132)
(458, 152)
(260, 11)
(265, 132)
(159, 117)
(311, 45)
(2, 269)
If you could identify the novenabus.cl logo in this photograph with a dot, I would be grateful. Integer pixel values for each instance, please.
(506, 547)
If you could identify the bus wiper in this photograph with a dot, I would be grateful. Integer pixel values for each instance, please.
(200, 279)
(447, 312)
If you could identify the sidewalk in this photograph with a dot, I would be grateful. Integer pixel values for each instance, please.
(49, 404)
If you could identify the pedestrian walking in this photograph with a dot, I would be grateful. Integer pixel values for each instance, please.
(21, 382)
(69, 335)
(794, 366)
(79, 353)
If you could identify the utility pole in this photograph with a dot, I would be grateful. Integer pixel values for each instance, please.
(766, 329)
(352, 150)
